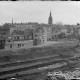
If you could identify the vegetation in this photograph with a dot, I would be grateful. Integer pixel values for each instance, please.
(64, 50)
(61, 35)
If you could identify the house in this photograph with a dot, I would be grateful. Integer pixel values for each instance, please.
(78, 31)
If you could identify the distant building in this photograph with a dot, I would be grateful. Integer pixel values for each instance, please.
(28, 34)
(50, 20)
(19, 39)
(2, 43)
(78, 31)
(4, 31)
(42, 33)
(48, 31)
(69, 29)
(39, 35)
(64, 30)
(22, 26)
(9, 42)
(18, 35)
(55, 31)
(19, 45)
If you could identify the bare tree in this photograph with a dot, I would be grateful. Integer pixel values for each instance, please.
(59, 23)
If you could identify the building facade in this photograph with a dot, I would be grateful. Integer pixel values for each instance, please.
(19, 45)
(42, 34)
(39, 35)
(19, 39)
(21, 26)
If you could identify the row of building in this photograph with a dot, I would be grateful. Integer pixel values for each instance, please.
(25, 35)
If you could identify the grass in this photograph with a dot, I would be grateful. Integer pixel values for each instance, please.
(66, 49)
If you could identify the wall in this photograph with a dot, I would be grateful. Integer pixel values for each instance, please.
(19, 44)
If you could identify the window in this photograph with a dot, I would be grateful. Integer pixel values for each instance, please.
(19, 45)
(17, 38)
(10, 45)
(22, 44)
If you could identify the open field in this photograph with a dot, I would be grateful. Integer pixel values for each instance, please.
(65, 49)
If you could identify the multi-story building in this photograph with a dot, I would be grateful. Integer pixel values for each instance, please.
(39, 36)
(4, 31)
(19, 44)
(21, 26)
(48, 31)
(28, 34)
(42, 34)
(19, 39)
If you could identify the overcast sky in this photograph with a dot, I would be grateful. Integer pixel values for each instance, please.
(31, 11)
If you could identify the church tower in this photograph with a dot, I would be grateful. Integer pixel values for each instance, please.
(12, 23)
(50, 20)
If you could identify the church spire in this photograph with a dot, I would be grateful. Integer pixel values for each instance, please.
(12, 23)
(50, 14)
(50, 19)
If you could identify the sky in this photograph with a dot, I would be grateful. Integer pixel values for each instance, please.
(66, 12)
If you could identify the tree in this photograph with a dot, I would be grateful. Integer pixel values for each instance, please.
(59, 23)
(61, 35)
